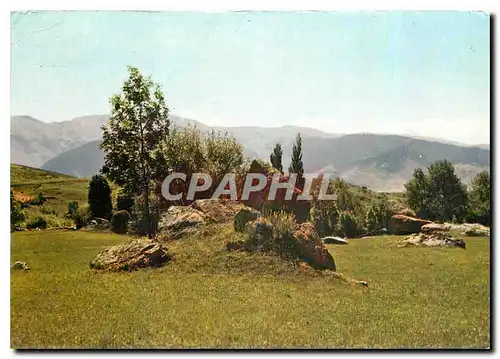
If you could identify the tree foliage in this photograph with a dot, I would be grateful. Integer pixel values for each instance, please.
(371, 221)
(480, 198)
(276, 157)
(296, 165)
(131, 140)
(16, 214)
(99, 197)
(124, 202)
(183, 150)
(348, 225)
(437, 195)
(224, 154)
(189, 151)
(72, 209)
(325, 216)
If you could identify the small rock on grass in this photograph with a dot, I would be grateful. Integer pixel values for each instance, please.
(20, 265)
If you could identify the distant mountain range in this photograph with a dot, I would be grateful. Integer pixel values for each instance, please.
(381, 162)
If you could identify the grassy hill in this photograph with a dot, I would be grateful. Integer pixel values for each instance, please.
(58, 189)
(207, 298)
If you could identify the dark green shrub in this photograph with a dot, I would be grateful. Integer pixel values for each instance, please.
(82, 217)
(16, 214)
(124, 202)
(38, 222)
(347, 224)
(38, 200)
(47, 210)
(99, 197)
(371, 221)
(72, 209)
(324, 215)
(244, 216)
(119, 222)
(273, 232)
(299, 209)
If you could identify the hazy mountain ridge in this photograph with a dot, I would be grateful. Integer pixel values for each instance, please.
(381, 162)
(34, 142)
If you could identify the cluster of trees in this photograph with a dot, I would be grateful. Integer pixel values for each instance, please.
(349, 214)
(100, 206)
(141, 149)
(439, 195)
(296, 164)
(189, 151)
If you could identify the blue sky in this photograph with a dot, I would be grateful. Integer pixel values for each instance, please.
(415, 73)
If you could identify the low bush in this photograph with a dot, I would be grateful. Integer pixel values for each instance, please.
(244, 216)
(82, 217)
(119, 222)
(38, 200)
(348, 226)
(371, 221)
(47, 210)
(324, 215)
(38, 222)
(273, 232)
(72, 209)
(124, 202)
(17, 215)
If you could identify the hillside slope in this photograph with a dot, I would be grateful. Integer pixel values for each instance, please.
(58, 189)
(83, 161)
(34, 142)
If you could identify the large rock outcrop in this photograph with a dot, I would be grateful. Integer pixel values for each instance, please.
(245, 215)
(303, 244)
(475, 230)
(433, 239)
(435, 227)
(311, 247)
(138, 253)
(470, 229)
(180, 221)
(401, 224)
(220, 210)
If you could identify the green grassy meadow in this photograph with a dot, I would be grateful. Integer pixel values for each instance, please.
(210, 298)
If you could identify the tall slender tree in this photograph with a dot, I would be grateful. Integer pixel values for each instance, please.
(131, 139)
(99, 197)
(296, 165)
(277, 158)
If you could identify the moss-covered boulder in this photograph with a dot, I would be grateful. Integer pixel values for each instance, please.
(139, 253)
(180, 221)
(244, 216)
(220, 210)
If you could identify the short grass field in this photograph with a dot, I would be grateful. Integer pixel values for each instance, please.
(209, 298)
